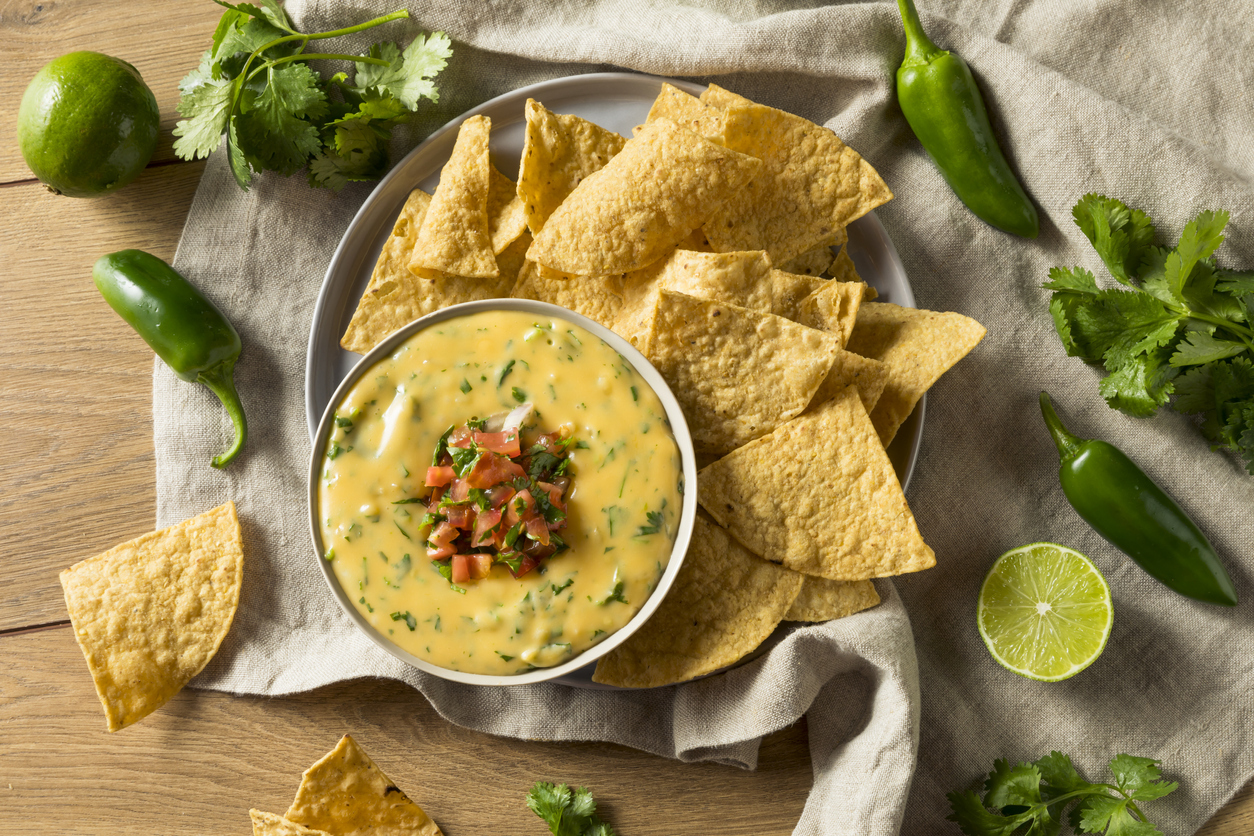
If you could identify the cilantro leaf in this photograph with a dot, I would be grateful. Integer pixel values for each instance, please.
(408, 74)
(1119, 234)
(1199, 347)
(1238, 283)
(206, 102)
(1201, 237)
(975, 819)
(1056, 770)
(1140, 385)
(1119, 325)
(1140, 778)
(1018, 786)
(1073, 280)
(567, 812)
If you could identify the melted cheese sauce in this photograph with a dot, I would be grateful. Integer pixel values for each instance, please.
(623, 504)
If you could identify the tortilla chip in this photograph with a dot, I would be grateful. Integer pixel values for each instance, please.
(506, 218)
(150, 614)
(737, 374)
(868, 376)
(600, 298)
(664, 183)
(346, 794)
(833, 307)
(821, 599)
(811, 185)
(455, 238)
(559, 151)
(818, 495)
(789, 291)
(396, 296)
(811, 262)
(842, 270)
(721, 98)
(724, 603)
(269, 824)
(688, 112)
(729, 278)
(641, 295)
(918, 346)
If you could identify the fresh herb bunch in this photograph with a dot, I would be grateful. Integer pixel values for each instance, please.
(567, 812)
(1181, 326)
(278, 114)
(1029, 799)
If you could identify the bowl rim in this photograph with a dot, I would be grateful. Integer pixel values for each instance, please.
(679, 431)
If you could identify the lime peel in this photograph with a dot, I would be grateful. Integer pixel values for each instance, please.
(1044, 611)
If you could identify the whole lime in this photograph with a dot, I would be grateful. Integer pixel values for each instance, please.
(87, 124)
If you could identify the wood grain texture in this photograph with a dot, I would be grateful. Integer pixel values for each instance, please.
(198, 764)
(77, 381)
(163, 39)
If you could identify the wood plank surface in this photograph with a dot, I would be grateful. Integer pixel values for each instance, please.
(77, 381)
(163, 39)
(198, 764)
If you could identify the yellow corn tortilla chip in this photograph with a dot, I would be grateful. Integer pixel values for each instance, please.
(506, 218)
(811, 262)
(833, 307)
(818, 495)
(150, 614)
(724, 603)
(687, 112)
(721, 98)
(730, 278)
(811, 185)
(868, 376)
(559, 151)
(918, 346)
(737, 373)
(842, 270)
(821, 599)
(396, 295)
(270, 824)
(599, 298)
(664, 183)
(346, 794)
(455, 237)
(789, 291)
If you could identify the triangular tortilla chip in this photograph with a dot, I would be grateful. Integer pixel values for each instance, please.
(789, 291)
(918, 346)
(559, 151)
(737, 373)
(730, 278)
(664, 183)
(821, 599)
(270, 824)
(346, 794)
(868, 376)
(455, 237)
(600, 298)
(820, 496)
(810, 186)
(833, 307)
(722, 98)
(396, 296)
(842, 270)
(688, 112)
(151, 613)
(506, 218)
(724, 603)
(811, 262)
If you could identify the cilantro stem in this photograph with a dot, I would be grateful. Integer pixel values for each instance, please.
(329, 56)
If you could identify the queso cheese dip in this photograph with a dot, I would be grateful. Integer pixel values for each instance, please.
(622, 503)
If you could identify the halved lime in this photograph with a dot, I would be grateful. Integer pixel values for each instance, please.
(1045, 611)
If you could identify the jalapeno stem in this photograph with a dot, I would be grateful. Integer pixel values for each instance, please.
(920, 49)
(1068, 445)
(220, 380)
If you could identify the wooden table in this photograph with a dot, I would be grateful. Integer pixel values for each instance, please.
(75, 399)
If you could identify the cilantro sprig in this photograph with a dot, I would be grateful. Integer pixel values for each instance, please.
(278, 114)
(1180, 325)
(567, 811)
(1031, 798)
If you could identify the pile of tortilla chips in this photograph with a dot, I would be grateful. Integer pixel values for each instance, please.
(151, 613)
(707, 240)
(345, 794)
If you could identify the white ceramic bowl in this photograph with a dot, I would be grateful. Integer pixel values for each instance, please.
(679, 429)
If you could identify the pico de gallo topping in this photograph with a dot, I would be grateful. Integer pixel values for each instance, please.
(498, 495)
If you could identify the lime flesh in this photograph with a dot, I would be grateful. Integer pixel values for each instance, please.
(1045, 611)
(87, 124)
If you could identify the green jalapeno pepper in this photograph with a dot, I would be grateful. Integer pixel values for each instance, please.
(946, 112)
(1136, 516)
(185, 329)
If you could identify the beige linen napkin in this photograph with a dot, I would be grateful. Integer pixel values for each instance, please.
(1150, 103)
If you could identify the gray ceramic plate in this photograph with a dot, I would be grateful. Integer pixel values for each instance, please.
(618, 101)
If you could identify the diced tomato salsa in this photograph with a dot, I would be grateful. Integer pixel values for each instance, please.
(495, 499)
